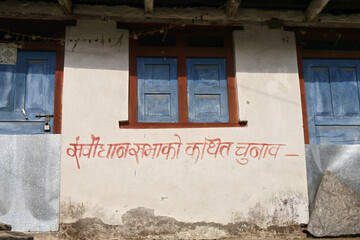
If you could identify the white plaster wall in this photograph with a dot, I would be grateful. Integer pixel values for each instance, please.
(265, 192)
(96, 71)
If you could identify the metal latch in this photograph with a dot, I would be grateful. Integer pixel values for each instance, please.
(47, 120)
(24, 112)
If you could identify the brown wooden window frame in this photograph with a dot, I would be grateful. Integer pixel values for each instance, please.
(181, 51)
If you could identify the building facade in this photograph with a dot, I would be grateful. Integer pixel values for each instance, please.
(190, 113)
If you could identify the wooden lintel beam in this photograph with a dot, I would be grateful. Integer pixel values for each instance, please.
(232, 7)
(49, 10)
(66, 5)
(314, 9)
(149, 6)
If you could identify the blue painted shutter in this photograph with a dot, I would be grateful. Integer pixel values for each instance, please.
(157, 90)
(207, 90)
(29, 85)
(8, 93)
(332, 99)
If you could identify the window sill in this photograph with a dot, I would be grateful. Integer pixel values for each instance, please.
(135, 125)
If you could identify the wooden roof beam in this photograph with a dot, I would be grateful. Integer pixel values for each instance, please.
(66, 5)
(314, 9)
(232, 7)
(149, 6)
(49, 10)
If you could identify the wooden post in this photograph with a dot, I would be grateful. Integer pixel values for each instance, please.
(314, 9)
(232, 7)
(149, 6)
(66, 5)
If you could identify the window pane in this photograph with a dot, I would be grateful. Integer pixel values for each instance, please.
(157, 90)
(207, 90)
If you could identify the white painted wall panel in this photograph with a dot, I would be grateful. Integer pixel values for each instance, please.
(214, 189)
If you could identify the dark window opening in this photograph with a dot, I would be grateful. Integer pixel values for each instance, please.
(205, 41)
(157, 40)
(346, 45)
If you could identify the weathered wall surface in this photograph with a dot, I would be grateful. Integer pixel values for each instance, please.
(188, 184)
(30, 181)
(333, 189)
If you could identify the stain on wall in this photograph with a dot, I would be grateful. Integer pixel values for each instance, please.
(142, 223)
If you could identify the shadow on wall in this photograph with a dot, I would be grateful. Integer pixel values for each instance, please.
(264, 50)
(99, 45)
(97, 56)
(267, 94)
(96, 45)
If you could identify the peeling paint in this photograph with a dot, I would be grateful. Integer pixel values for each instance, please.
(142, 223)
(281, 210)
(71, 210)
(285, 210)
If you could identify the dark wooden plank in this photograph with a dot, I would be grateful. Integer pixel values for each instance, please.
(174, 51)
(67, 5)
(232, 7)
(59, 74)
(182, 83)
(314, 9)
(149, 6)
(299, 52)
(230, 72)
(15, 9)
(179, 125)
(133, 81)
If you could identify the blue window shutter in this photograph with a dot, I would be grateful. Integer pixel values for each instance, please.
(29, 85)
(207, 90)
(157, 90)
(332, 99)
(37, 69)
(8, 89)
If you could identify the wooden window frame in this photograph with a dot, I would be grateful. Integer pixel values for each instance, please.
(315, 34)
(181, 51)
(57, 28)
